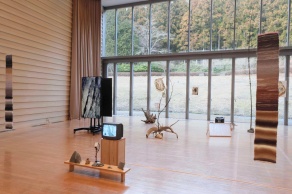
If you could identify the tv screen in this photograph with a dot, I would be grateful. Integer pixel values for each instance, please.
(112, 131)
(91, 97)
(109, 130)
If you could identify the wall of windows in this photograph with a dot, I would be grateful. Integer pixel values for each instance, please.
(221, 88)
(222, 24)
(178, 19)
(193, 25)
(193, 44)
(124, 31)
(141, 30)
(158, 97)
(177, 86)
(289, 96)
(159, 28)
(275, 18)
(193, 86)
(198, 99)
(109, 33)
(140, 88)
(200, 22)
(281, 101)
(123, 88)
(242, 95)
(247, 23)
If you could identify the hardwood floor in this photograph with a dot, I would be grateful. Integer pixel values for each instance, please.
(32, 161)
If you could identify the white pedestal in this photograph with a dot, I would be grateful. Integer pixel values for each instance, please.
(219, 129)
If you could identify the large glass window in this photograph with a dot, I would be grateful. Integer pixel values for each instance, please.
(159, 28)
(124, 31)
(177, 104)
(158, 96)
(140, 88)
(242, 96)
(275, 18)
(110, 70)
(198, 101)
(200, 25)
(247, 23)
(221, 88)
(110, 35)
(223, 24)
(123, 88)
(290, 35)
(281, 102)
(290, 93)
(179, 19)
(141, 30)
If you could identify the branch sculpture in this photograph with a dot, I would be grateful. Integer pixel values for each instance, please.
(150, 118)
(157, 131)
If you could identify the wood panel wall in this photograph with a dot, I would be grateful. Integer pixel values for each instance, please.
(38, 35)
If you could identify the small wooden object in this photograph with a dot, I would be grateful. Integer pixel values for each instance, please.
(106, 168)
(112, 151)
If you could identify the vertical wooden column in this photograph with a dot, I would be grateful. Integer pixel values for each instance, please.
(8, 94)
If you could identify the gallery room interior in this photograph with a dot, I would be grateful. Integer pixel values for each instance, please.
(145, 96)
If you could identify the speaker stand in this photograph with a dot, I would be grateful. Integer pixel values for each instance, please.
(93, 128)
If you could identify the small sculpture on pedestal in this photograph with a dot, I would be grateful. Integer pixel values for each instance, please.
(97, 163)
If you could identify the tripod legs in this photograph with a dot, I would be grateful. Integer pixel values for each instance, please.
(93, 127)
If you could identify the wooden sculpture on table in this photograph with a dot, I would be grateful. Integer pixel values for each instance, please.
(265, 141)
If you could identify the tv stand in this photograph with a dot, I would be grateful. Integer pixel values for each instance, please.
(93, 128)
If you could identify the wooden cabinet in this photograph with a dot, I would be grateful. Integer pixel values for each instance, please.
(113, 151)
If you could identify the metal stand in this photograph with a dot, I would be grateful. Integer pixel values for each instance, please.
(97, 163)
(93, 127)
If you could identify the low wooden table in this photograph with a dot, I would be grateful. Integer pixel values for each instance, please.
(106, 168)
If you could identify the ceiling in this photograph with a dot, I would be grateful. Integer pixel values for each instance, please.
(106, 3)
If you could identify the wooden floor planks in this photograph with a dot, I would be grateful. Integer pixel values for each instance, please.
(32, 160)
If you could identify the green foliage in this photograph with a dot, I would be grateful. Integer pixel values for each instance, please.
(222, 69)
(140, 68)
(110, 33)
(124, 32)
(275, 17)
(157, 67)
(123, 67)
(159, 28)
(178, 33)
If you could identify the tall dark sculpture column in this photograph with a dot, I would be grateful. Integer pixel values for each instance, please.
(267, 97)
(8, 94)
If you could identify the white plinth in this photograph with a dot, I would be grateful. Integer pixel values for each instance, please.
(219, 129)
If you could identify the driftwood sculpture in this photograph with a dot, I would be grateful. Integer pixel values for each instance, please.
(150, 118)
(157, 131)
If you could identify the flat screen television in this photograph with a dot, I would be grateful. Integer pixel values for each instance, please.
(96, 100)
(112, 131)
(91, 96)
